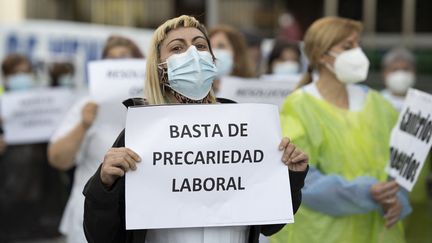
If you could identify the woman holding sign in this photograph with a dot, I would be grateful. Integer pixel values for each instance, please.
(180, 69)
(345, 128)
(78, 143)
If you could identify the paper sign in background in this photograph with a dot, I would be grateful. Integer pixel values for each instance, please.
(32, 116)
(116, 80)
(411, 139)
(269, 89)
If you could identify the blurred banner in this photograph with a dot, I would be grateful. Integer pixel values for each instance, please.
(32, 116)
(268, 89)
(47, 41)
(411, 139)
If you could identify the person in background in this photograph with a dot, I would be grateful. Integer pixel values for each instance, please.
(119, 47)
(77, 143)
(17, 73)
(32, 195)
(254, 41)
(345, 129)
(289, 28)
(399, 73)
(169, 74)
(230, 50)
(62, 74)
(284, 58)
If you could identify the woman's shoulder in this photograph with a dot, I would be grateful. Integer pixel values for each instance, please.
(294, 99)
(135, 102)
(225, 101)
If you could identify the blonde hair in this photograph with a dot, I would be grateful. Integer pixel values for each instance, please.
(153, 92)
(321, 36)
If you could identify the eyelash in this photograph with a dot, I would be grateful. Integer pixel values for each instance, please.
(176, 49)
(201, 46)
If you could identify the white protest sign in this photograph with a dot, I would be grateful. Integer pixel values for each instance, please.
(269, 89)
(206, 165)
(32, 116)
(116, 80)
(411, 139)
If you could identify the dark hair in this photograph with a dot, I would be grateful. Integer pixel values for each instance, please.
(117, 40)
(242, 62)
(278, 48)
(11, 61)
(58, 69)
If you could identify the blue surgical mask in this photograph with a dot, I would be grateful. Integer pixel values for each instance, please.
(21, 81)
(224, 62)
(191, 73)
(66, 80)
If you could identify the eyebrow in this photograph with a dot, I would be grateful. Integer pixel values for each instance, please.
(183, 40)
(197, 37)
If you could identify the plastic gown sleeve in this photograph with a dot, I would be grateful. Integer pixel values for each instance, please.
(336, 196)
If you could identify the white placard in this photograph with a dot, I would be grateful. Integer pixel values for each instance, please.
(269, 89)
(206, 165)
(116, 80)
(32, 116)
(411, 139)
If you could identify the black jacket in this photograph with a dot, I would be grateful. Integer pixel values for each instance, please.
(104, 218)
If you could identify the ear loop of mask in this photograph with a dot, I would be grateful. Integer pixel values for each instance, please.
(163, 77)
(327, 65)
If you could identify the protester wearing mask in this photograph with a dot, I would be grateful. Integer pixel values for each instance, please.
(32, 195)
(345, 128)
(230, 50)
(398, 71)
(180, 69)
(399, 75)
(17, 73)
(62, 74)
(284, 59)
(77, 143)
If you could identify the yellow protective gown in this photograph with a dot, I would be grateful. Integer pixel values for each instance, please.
(347, 143)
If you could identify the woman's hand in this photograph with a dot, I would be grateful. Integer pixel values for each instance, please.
(385, 193)
(392, 213)
(117, 162)
(3, 145)
(293, 157)
(88, 114)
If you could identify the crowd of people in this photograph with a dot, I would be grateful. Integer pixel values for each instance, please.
(336, 143)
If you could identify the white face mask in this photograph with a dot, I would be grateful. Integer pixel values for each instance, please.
(224, 61)
(351, 66)
(66, 80)
(20, 81)
(399, 82)
(191, 73)
(287, 67)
